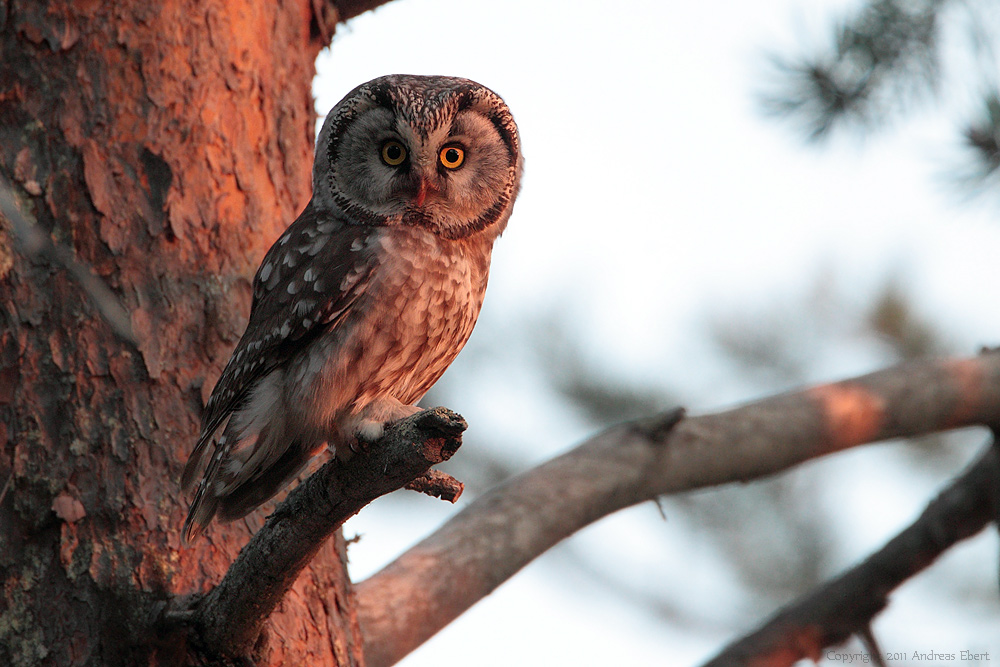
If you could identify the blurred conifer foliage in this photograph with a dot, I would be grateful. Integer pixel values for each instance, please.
(889, 57)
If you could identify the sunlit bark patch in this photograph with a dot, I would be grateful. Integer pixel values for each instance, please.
(852, 414)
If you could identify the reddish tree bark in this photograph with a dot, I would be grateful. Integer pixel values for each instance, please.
(164, 145)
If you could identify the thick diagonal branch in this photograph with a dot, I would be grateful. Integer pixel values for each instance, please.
(846, 605)
(230, 617)
(495, 536)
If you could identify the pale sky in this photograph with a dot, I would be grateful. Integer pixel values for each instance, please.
(655, 193)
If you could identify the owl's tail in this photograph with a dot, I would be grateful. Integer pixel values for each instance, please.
(236, 483)
(245, 497)
(205, 503)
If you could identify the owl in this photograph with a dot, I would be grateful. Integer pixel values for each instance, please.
(364, 301)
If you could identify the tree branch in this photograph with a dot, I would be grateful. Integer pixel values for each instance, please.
(846, 605)
(438, 485)
(495, 536)
(348, 9)
(328, 13)
(230, 617)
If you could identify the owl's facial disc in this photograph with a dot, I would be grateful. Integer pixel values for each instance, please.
(434, 152)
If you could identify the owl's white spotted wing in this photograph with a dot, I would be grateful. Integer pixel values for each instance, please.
(308, 281)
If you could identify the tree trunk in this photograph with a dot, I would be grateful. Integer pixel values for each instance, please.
(162, 146)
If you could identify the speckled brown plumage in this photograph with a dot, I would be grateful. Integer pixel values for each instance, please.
(365, 300)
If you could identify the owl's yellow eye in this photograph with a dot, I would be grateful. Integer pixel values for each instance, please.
(393, 153)
(452, 157)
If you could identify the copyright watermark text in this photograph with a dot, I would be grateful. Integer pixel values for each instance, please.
(862, 658)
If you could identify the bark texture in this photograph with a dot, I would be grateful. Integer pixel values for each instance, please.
(164, 145)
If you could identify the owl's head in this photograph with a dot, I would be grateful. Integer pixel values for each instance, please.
(438, 152)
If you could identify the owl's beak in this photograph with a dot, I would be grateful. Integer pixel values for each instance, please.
(426, 185)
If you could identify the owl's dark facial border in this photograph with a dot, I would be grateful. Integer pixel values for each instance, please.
(367, 194)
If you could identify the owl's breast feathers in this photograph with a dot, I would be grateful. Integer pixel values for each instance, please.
(351, 314)
(415, 314)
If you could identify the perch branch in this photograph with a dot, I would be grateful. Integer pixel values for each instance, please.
(846, 605)
(231, 616)
(496, 535)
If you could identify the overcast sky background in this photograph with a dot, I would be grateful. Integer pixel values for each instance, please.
(657, 196)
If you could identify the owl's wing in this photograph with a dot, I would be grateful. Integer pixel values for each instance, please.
(307, 283)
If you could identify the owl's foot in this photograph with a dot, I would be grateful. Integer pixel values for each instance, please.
(370, 423)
